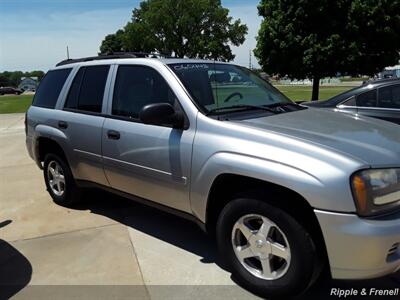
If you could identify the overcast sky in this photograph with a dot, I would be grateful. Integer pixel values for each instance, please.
(34, 33)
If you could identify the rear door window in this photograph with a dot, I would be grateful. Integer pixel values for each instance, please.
(87, 89)
(50, 88)
(389, 96)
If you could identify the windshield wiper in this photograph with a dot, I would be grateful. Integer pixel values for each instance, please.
(241, 106)
(282, 104)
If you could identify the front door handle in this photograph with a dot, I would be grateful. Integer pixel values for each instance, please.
(62, 125)
(113, 135)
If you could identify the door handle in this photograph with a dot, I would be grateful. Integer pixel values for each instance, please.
(113, 135)
(62, 124)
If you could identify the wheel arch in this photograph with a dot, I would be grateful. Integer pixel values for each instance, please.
(228, 186)
(45, 145)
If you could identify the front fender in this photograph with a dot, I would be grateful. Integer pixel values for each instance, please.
(322, 194)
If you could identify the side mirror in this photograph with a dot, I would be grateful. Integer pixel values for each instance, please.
(161, 114)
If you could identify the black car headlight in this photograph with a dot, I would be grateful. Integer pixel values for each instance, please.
(376, 191)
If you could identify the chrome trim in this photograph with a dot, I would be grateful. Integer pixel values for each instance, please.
(366, 107)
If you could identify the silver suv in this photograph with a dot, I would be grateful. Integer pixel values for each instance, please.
(286, 190)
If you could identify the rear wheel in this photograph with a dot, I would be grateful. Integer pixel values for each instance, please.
(267, 250)
(59, 181)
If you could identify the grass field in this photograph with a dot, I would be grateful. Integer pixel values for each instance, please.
(14, 103)
(18, 104)
(297, 93)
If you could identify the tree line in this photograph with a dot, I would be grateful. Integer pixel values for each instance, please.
(13, 78)
(299, 39)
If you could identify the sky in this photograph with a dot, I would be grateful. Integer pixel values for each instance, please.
(34, 34)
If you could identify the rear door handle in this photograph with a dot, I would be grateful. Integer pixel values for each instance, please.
(113, 135)
(62, 124)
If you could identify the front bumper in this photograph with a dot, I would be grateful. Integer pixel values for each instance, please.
(360, 248)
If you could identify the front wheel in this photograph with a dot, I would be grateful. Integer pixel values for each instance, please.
(59, 181)
(267, 250)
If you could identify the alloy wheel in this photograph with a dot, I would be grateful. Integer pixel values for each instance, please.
(261, 247)
(55, 177)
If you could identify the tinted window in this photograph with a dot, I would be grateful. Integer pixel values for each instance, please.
(50, 88)
(367, 99)
(137, 86)
(73, 95)
(389, 97)
(87, 90)
(350, 102)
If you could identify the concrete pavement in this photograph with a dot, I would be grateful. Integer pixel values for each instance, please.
(105, 248)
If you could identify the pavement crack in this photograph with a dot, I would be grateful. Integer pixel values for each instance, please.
(61, 233)
(138, 263)
(14, 123)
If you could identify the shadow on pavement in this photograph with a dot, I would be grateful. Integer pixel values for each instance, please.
(188, 236)
(15, 269)
(161, 225)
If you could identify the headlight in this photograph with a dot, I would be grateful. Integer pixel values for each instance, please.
(376, 191)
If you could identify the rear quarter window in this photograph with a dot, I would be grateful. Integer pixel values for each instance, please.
(50, 88)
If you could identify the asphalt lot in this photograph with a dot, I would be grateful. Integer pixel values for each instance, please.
(105, 248)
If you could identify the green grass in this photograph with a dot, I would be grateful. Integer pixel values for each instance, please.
(344, 79)
(14, 103)
(298, 93)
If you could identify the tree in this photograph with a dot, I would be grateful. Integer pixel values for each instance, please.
(36, 73)
(112, 42)
(318, 38)
(13, 78)
(3, 80)
(182, 28)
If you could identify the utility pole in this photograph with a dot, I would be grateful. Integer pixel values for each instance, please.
(67, 53)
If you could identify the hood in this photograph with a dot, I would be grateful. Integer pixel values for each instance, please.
(374, 142)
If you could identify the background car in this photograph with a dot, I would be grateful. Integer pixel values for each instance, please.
(379, 99)
(10, 90)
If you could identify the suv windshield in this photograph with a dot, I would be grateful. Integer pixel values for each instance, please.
(216, 86)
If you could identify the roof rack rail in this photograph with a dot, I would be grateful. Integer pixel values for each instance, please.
(111, 55)
(140, 54)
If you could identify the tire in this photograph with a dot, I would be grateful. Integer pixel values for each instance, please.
(291, 275)
(69, 192)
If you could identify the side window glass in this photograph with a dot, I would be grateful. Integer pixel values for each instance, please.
(87, 90)
(350, 102)
(136, 87)
(73, 95)
(367, 99)
(50, 88)
(389, 97)
(92, 89)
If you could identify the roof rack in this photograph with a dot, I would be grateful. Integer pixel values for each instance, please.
(111, 55)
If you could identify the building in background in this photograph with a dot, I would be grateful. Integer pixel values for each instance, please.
(28, 83)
